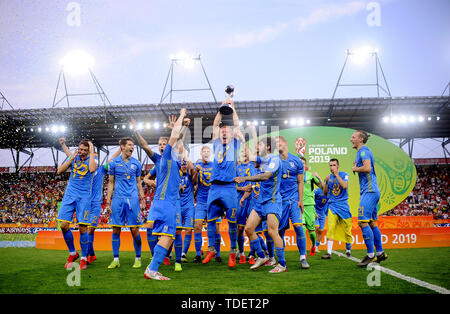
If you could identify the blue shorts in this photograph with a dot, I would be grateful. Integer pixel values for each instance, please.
(320, 220)
(262, 227)
(243, 212)
(79, 205)
(222, 199)
(267, 208)
(186, 218)
(290, 211)
(200, 211)
(125, 212)
(163, 214)
(94, 214)
(367, 210)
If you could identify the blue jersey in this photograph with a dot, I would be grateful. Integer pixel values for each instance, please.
(156, 158)
(338, 196)
(80, 181)
(244, 170)
(225, 160)
(321, 201)
(270, 188)
(290, 168)
(125, 176)
(168, 178)
(204, 181)
(367, 180)
(187, 197)
(97, 183)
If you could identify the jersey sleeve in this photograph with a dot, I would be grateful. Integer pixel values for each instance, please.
(112, 168)
(153, 171)
(344, 176)
(155, 158)
(273, 165)
(138, 169)
(300, 169)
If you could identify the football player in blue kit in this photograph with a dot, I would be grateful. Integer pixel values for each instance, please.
(222, 196)
(369, 197)
(164, 209)
(125, 198)
(77, 199)
(321, 211)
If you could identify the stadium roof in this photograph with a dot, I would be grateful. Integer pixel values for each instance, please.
(103, 125)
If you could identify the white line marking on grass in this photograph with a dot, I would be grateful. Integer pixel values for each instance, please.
(398, 275)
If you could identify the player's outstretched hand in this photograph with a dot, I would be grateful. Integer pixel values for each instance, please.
(239, 179)
(133, 124)
(172, 120)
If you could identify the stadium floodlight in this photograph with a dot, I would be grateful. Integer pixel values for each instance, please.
(293, 121)
(386, 119)
(39, 129)
(255, 123)
(54, 129)
(156, 125)
(438, 118)
(148, 125)
(308, 121)
(263, 122)
(420, 119)
(300, 121)
(360, 55)
(31, 129)
(184, 59)
(285, 121)
(241, 123)
(76, 62)
(62, 128)
(412, 119)
(140, 126)
(123, 126)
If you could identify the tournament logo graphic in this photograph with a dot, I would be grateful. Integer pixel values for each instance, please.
(300, 145)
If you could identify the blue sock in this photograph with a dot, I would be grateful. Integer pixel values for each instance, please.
(377, 239)
(262, 243)
(317, 244)
(198, 238)
(232, 231)
(91, 245)
(269, 243)
(348, 246)
(178, 247)
(217, 243)
(152, 240)
(211, 232)
(158, 257)
(368, 238)
(256, 246)
(240, 242)
(84, 243)
(187, 241)
(115, 244)
(280, 255)
(137, 242)
(68, 237)
(301, 240)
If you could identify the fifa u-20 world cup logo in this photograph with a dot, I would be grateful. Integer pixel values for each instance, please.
(300, 145)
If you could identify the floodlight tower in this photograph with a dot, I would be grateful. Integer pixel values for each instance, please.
(76, 63)
(188, 62)
(4, 101)
(358, 57)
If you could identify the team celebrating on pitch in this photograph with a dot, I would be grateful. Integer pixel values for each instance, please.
(259, 186)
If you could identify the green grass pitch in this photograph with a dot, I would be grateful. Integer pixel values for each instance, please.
(30, 270)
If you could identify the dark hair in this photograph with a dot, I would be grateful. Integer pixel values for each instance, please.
(364, 135)
(334, 159)
(303, 158)
(268, 141)
(84, 142)
(123, 141)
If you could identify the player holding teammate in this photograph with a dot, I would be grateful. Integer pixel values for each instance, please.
(269, 205)
(369, 196)
(291, 190)
(164, 206)
(125, 184)
(77, 198)
(222, 196)
(339, 215)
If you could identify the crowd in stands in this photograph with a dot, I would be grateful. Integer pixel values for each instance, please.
(34, 197)
(430, 196)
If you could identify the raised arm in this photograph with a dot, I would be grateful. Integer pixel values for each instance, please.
(67, 164)
(216, 125)
(92, 163)
(176, 131)
(141, 141)
(62, 142)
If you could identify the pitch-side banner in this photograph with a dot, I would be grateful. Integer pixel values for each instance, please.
(395, 171)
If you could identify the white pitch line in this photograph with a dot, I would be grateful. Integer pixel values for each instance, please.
(398, 275)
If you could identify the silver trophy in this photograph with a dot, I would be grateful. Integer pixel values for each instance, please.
(225, 108)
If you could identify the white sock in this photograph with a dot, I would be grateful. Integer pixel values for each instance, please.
(83, 258)
(302, 257)
(73, 253)
(329, 246)
(371, 255)
(116, 259)
(348, 251)
(138, 259)
(379, 253)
